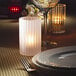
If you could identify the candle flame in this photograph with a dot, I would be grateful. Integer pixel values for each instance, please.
(30, 40)
(57, 20)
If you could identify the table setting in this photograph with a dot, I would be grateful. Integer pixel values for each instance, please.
(58, 61)
(32, 36)
(37, 54)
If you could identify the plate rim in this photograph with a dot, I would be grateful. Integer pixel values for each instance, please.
(47, 67)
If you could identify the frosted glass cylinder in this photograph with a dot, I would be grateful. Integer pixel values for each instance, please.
(29, 35)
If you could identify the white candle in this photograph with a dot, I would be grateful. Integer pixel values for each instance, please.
(29, 35)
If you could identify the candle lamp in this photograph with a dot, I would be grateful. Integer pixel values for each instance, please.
(29, 35)
(58, 19)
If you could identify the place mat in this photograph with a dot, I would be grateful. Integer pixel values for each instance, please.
(10, 62)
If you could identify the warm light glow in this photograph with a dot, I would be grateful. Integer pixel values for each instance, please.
(30, 40)
(57, 20)
(29, 35)
(64, 17)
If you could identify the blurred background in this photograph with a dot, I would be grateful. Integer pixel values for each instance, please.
(10, 11)
(71, 10)
(5, 4)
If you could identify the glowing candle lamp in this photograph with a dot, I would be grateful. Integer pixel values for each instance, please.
(58, 18)
(29, 35)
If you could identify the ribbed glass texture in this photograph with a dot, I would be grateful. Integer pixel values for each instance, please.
(29, 35)
(58, 18)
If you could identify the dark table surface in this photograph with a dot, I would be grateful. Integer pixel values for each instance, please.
(9, 33)
(9, 45)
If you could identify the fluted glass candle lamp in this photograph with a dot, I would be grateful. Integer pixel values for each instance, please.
(58, 18)
(29, 35)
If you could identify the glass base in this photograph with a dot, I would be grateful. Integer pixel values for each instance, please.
(58, 32)
(49, 44)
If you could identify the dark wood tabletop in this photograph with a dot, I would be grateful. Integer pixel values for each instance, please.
(9, 46)
(9, 33)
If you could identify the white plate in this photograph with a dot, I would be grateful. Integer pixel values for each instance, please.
(64, 57)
